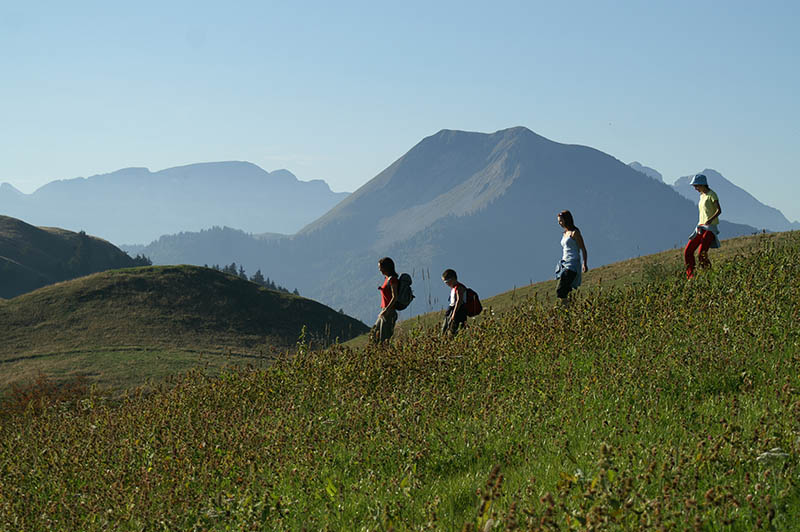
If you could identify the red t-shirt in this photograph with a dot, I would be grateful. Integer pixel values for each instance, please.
(386, 291)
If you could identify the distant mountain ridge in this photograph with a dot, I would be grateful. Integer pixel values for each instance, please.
(483, 204)
(646, 170)
(738, 205)
(32, 257)
(136, 206)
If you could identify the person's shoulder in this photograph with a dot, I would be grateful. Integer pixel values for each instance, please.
(713, 195)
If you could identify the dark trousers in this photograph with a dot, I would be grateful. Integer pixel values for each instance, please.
(565, 283)
(383, 328)
(451, 322)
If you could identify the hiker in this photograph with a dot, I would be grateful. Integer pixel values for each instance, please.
(705, 235)
(456, 314)
(384, 326)
(568, 271)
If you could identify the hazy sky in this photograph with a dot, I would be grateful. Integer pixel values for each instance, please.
(339, 90)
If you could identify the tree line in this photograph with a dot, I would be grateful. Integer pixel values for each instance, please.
(258, 277)
(142, 260)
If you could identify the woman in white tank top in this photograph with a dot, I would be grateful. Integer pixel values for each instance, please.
(569, 269)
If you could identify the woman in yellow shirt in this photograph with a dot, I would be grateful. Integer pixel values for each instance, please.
(705, 234)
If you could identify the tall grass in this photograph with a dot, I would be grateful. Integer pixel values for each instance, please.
(671, 404)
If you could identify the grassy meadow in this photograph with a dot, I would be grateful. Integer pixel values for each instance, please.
(123, 328)
(659, 405)
(625, 273)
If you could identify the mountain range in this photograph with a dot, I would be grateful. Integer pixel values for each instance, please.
(136, 206)
(738, 205)
(646, 170)
(483, 204)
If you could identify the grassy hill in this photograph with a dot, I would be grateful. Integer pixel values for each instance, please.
(120, 327)
(663, 405)
(31, 257)
(621, 274)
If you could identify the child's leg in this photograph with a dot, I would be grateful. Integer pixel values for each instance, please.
(688, 254)
(446, 320)
(458, 320)
(706, 242)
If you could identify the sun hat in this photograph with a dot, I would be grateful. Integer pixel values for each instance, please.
(699, 179)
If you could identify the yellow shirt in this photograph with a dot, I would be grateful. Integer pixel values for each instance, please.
(708, 205)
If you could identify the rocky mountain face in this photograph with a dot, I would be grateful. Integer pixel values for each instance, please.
(136, 206)
(482, 204)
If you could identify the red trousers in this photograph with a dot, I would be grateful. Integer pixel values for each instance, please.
(704, 242)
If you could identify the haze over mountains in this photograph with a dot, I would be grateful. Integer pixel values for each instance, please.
(136, 206)
(483, 204)
(738, 204)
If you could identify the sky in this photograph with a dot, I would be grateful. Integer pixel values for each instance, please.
(339, 90)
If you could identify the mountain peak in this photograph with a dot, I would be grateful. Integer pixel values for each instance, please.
(283, 175)
(8, 188)
(646, 170)
(133, 170)
(511, 132)
(214, 168)
(135, 205)
(738, 205)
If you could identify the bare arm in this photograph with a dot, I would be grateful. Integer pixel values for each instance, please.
(459, 299)
(576, 234)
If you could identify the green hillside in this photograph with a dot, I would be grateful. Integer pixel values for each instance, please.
(662, 405)
(630, 272)
(31, 257)
(120, 327)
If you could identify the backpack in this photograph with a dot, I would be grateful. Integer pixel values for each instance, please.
(404, 292)
(473, 303)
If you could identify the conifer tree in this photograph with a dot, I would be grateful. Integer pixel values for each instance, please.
(258, 278)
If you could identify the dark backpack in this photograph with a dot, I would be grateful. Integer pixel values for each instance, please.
(473, 303)
(404, 292)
